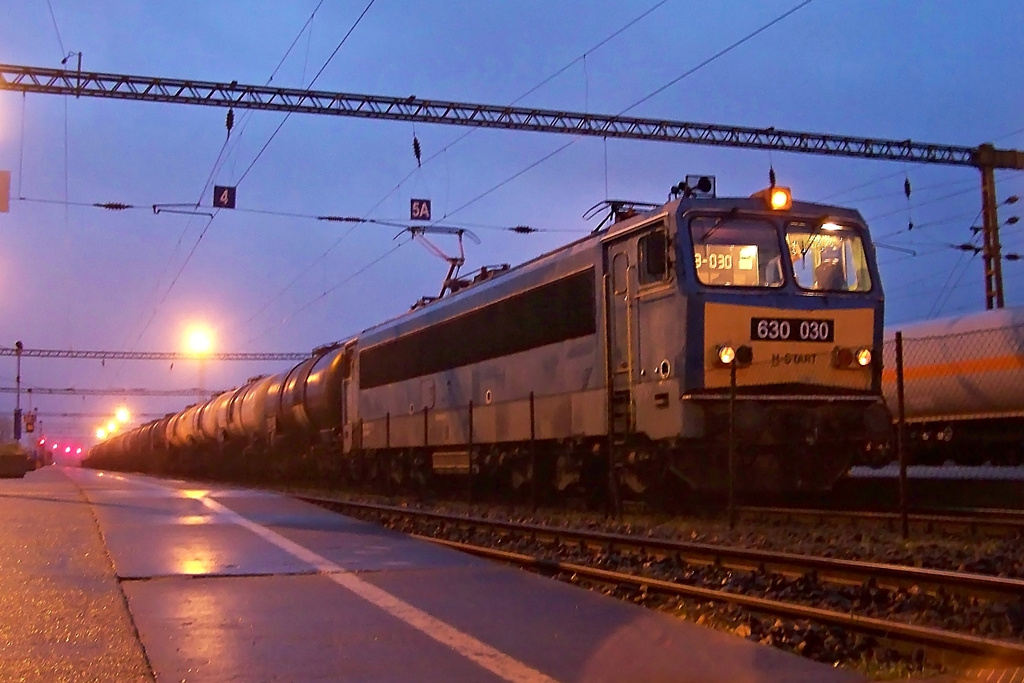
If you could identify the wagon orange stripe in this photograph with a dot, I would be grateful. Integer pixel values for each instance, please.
(964, 367)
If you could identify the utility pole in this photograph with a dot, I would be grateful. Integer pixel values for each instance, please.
(18, 346)
(987, 159)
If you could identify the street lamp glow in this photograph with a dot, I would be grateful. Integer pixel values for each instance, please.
(199, 340)
(101, 433)
(122, 415)
(111, 427)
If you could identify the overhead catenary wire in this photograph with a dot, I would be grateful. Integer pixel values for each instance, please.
(657, 91)
(335, 287)
(249, 168)
(443, 151)
(56, 28)
(572, 141)
(214, 170)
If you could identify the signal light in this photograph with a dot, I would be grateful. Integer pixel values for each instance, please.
(864, 357)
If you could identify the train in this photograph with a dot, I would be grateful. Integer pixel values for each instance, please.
(963, 388)
(696, 344)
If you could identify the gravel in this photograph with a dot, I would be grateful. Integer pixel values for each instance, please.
(1002, 556)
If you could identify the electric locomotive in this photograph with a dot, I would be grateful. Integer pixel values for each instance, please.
(682, 341)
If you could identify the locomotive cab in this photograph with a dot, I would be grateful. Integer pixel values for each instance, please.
(766, 306)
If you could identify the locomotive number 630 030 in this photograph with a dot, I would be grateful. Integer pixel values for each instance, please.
(792, 329)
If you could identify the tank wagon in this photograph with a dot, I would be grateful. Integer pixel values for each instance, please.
(963, 387)
(623, 353)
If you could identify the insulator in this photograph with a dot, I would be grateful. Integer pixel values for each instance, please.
(771, 176)
(906, 187)
(114, 206)
(523, 229)
(1012, 220)
(230, 120)
(416, 149)
(340, 219)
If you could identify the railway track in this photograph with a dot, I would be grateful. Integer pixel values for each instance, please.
(588, 543)
(976, 521)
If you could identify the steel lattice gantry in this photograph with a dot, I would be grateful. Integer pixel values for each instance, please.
(79, 83)
(187, 91)
(71, 391)
(149, 355)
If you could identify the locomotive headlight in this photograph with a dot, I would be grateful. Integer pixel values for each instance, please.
(741, 356)
(726, 354)
(744, 355)
(864, 357)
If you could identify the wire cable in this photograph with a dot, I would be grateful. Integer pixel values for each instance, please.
(715, 56)
(443, 151)
(249, 168)
(56, 29)
(521, 97)
(657, 91)
(310, 303)
(308, 86)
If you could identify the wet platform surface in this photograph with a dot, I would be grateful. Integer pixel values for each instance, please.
(220, 584)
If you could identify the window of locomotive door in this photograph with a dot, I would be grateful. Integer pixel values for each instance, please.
(620, 308)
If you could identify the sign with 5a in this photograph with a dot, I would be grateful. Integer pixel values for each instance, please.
(419, 209)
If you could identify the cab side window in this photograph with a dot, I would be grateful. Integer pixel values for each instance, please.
(653, 257)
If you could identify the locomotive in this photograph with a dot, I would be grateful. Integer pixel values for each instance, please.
(963, 387)
(644, 357)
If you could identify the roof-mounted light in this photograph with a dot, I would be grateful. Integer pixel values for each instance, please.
(780, 199)
(777, 198)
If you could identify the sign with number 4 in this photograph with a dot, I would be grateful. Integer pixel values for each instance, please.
(223, 197)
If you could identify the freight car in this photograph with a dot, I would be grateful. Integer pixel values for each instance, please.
(628, 356)
(963, 387)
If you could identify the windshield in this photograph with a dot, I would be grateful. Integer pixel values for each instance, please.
(734, 252)
(828, 258)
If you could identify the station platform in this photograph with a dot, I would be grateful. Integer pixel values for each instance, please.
(112, 577)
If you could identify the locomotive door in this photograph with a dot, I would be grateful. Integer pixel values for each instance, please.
(620, 308)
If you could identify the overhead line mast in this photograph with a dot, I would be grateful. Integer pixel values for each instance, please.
(985, 157)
